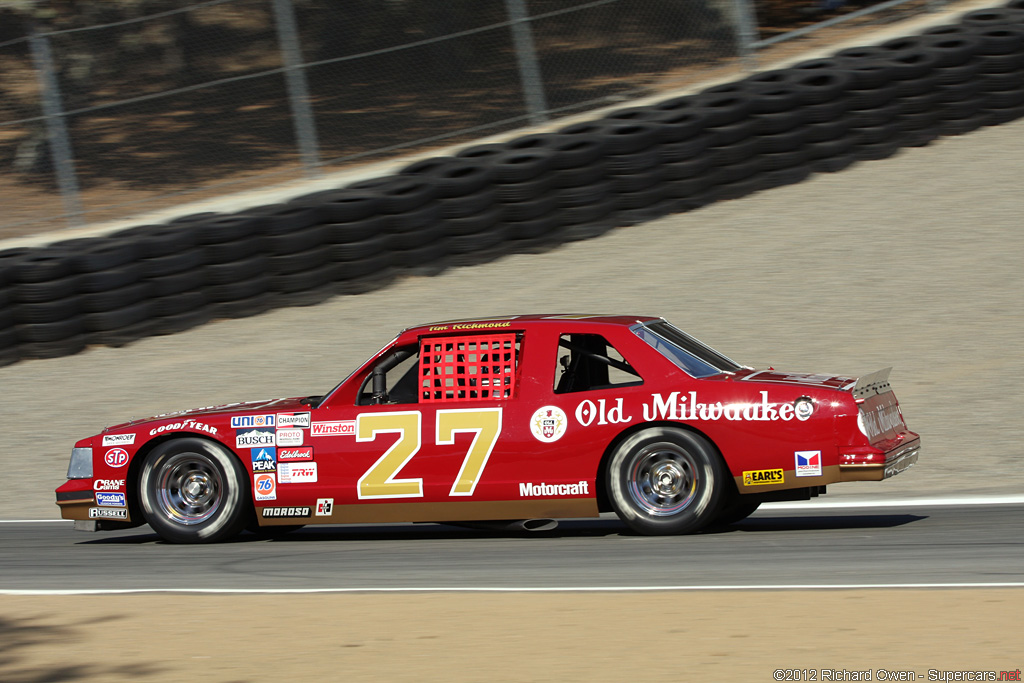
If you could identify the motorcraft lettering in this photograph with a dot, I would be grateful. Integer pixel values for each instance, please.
(300, 420)
(291, 454)
(341, 428)
(108, 513)
(108, 485)
(118, 439)
(246, 421)
(286, 512)
(187, 424)
(296, 473)
(114, 500)
(762, 477)
(263, 459)
(529, 490)
(116, 457)
(880, 420)
(588, 411)
(289, 437)
(255, 438)
(679, 406)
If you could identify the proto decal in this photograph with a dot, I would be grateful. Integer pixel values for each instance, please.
(246, 421)
(292, 454)
(687, 407)
(254, 438)
(761, 477)
(264, 486)
(548, 424)
(108, 513)
(324, 506)
(289, 437)
(116, 457)
(263, 459)
(286, 512)
(581, 488)
(808, 463)
(108, 485)
(116, 500)
(300, 420)
(118, 439)
(341, 428)
(296, 473)
(187, 424)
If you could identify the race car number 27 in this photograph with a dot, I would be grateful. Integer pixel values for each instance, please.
(380, 481)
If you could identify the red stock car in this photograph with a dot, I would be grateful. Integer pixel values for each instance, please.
(519, 419)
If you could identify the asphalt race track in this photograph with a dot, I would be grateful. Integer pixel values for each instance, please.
(887, 546)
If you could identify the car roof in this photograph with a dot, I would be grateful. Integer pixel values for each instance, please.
(520, 322)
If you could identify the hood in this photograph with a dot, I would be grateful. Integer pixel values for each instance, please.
(266, 406)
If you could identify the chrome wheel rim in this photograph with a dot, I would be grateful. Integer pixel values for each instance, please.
(190, 488)
(663, 479)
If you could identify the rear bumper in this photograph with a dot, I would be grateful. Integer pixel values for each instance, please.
(896, 460)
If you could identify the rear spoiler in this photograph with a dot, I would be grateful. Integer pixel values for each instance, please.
(873, 384)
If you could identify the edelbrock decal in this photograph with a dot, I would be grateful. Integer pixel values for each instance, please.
(118, 439)
(291, 454)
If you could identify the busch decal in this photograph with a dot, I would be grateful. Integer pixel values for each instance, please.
(116, 457)
(548, 424)
(254, 438)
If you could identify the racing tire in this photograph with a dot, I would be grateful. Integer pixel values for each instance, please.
(194, 491)
(663, 481)
(736, 510)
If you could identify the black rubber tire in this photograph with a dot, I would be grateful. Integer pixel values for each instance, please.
(735, 510)
(524, 211)
(691, 475)
(302, 260)
(235, 271)
(218, 511)
(415, 220)
(461, 177)
(277, 219)
(116, 298)
(50, 332)
(304, 279)
(45, 312)
(57, 348)
(468, 205)
(468, 225)
(637, 162)
(224, 252)
(168, 285)
(172, 263)
(236, 291)
(117, 318)
(578, 177)
(525, 190)
(229, 229)
(338, 233)
(519, 166)
(344, 206)
(683, 150)
(177, 304)
(42, 265)
(115, 278)
(733, 133)
(634, 182)
(302, 239)
(352, 251)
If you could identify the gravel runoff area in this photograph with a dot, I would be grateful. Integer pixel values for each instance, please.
(912, 262)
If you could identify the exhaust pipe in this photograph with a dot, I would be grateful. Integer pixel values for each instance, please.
(508, 524)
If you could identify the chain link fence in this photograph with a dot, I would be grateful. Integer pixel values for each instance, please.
(109, 109)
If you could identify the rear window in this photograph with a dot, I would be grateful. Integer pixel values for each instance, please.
(691, 356)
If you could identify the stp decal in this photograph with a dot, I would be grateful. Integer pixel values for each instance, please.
(548, 424)
(116, 457)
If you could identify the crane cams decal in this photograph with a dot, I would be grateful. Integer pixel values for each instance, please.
(548, 424)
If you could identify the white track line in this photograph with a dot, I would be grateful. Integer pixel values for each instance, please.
(517, 589)
(949, 501)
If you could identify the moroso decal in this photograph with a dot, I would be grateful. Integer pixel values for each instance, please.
(286, 512)
(761, 477)
(548, 424)
(676, 407)
(808, 463)
(116, 457)
(118, 439)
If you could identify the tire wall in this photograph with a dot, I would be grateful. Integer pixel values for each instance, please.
(525, 195)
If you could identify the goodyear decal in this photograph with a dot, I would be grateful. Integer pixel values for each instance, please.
(761, 477)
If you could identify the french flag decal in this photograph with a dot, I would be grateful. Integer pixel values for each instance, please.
(808, 463)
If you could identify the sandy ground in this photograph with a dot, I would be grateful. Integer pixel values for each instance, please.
(670, 636)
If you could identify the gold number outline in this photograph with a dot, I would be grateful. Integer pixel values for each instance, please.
(476, 457)
(390, 423)
(369, 425)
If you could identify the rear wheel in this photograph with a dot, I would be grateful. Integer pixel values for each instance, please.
(666, 481)
(736, 510)
(193, 491)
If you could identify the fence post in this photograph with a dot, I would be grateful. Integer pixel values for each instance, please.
(526, 56)
(56, 127)
(298, 89)
(745, 23)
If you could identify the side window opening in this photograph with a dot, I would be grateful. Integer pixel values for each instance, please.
(588, 362)
(393, 379)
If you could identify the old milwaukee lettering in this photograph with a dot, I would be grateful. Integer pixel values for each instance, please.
(679, 406)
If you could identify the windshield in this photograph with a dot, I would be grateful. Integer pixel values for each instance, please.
(691, 356)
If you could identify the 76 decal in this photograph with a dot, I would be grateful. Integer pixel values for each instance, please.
(380, 481)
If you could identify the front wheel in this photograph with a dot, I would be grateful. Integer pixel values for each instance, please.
(193, 491)
(666, 481)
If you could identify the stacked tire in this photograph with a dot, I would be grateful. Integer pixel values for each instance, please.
(294, 239)
(47, 302)
(8, 336)
(237, 270)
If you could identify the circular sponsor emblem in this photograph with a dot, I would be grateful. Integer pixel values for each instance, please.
(116, 457)
(804, 407)
(548, 424)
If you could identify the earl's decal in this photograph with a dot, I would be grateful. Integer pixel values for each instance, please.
(760, 477)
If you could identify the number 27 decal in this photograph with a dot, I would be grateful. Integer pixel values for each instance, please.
(380, 480)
